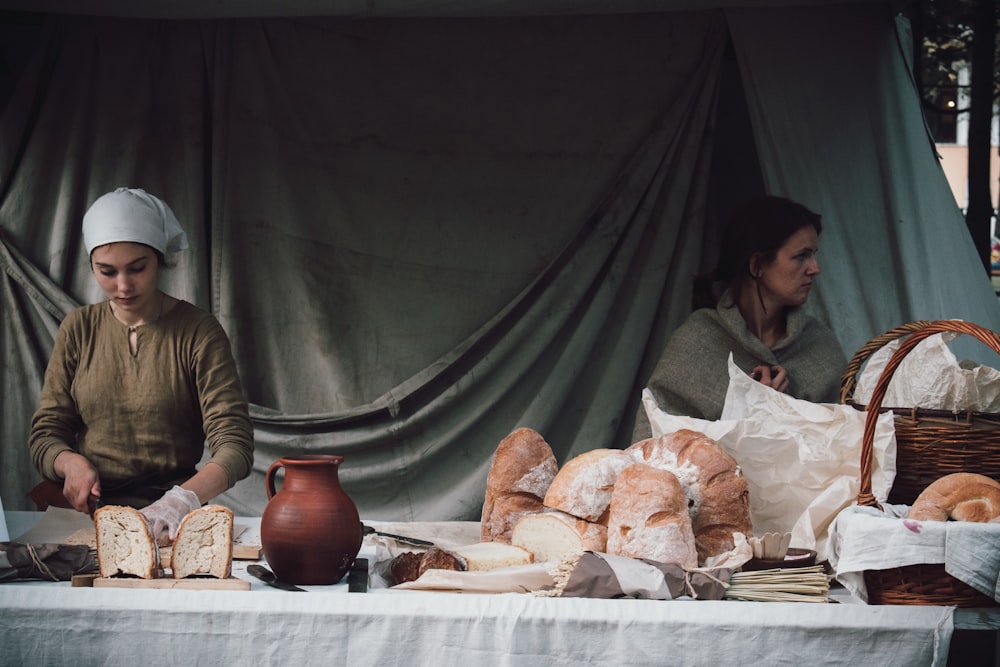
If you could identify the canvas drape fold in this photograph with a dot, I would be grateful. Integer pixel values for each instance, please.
(412, 253)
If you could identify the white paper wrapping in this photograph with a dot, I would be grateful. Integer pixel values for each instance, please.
(931, 377)
(802, 460)
(866, 538)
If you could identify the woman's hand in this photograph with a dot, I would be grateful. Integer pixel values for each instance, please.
(80, 480)
(165, 515)
(775, 377)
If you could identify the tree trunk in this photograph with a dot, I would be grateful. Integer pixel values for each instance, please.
(977, 218)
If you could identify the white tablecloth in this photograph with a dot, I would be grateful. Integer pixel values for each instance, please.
(51, 623)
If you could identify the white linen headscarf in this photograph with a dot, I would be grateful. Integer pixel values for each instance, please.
(132, 214)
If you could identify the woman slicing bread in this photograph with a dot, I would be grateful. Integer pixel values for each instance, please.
(138, 385)
(767, 266)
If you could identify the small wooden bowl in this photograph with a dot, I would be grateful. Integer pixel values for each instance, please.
(793, 558)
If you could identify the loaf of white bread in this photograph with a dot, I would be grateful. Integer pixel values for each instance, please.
(648, 517)
(960, 496)
(584, 484)
(522, 469)
(717, 493)
(203, 547)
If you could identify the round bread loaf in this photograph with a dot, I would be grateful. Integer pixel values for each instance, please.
(583, 486)
(649, 518)
(523, 467)
(961, 496)
(552, 535)
(717, 493)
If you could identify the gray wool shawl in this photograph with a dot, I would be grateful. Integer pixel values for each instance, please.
(691, 377)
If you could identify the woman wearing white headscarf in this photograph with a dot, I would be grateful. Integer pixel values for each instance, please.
(138, 385)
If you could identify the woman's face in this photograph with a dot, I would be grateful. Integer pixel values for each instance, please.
(127, 273)
(787, 280)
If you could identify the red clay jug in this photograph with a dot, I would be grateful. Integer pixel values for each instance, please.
(310, 531)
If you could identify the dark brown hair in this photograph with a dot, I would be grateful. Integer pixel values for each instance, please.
(760, 225)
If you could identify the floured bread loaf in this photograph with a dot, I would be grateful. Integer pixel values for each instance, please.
(204, 544)
(583, 486)
(523, 467)
(125, 544)
(649, 518)
(961, 496)
(717, 492)
(556, 536)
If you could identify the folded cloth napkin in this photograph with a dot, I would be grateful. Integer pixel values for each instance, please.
(866, 538)
(55, 562)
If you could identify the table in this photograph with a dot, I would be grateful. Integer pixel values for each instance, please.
(52, 623)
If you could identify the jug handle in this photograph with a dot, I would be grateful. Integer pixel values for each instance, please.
(269, 478)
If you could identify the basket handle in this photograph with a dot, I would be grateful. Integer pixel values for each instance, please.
(873, 408)
(849, 379)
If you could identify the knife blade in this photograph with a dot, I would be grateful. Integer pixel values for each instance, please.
(368, 530)
(268, 578)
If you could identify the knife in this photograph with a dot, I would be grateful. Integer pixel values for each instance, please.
(268, 578)
(368, 530)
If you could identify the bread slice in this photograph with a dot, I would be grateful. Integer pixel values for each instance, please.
(204, 544)
(125, 544)
(493, 555)
(556, 536)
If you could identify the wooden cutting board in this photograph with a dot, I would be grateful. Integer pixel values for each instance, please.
(190, 583)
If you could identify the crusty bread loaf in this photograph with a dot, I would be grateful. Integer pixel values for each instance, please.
(961, 496)
(522, 469)
(552, 535)
(125, 544)
(649, 517)
(204, 544)
(717, 493)
(583, 486)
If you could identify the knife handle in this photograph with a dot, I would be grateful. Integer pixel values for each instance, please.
(357, 578)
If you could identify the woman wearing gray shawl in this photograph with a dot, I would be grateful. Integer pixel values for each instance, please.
(767, 267)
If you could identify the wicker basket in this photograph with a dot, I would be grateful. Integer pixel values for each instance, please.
(930, 444)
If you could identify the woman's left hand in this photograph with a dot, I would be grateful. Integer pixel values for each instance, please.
(775, 377)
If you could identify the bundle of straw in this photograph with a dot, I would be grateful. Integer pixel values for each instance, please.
(799, 584)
